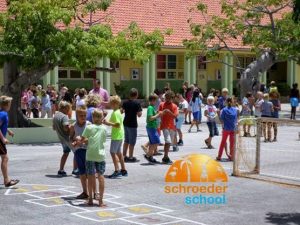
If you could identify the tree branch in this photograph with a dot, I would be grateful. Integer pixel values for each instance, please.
(11, 54)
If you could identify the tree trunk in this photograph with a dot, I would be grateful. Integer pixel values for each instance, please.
(11, 74)
(249, 81)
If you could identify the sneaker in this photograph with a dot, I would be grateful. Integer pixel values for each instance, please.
(115, 175)
(189, 130)
(175, 148)
(145, 149)
(167, 160)
(150, 159)
(274, 140)
(83, 195)
(132, 160)
(198, 130)
(218, 159)
(210, 147)
(180, 143)
(124, 173)
(62, 173)
(75, 172)
(126, 159)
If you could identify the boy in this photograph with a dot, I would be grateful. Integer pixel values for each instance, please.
(76, 131)
(152, 128)
(169, 112)
(132, 109)
(61, 126)
(5, 104)
(211, 113)
(117, 136)
(267, 109)
(183, 108)
(95, 136)
(34, 104)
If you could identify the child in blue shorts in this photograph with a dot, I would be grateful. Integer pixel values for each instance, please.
(211, 113)
(196, 107)
(95, 136)
(152, 125)
(76, 130)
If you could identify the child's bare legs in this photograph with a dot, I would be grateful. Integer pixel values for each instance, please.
(115, 161)
(125, 148)
(166, 150)
(83, 180)
(152, 149)
(63, 160)
(91, 185)
(121, 160)
(275, 131)
(179, 134)
(101, 189)
(131, 149)
(190, 116)
(264, 126)
(4, 162)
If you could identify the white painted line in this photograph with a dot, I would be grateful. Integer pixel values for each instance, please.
(175, 217)
(117, 203)
(72, 193)
(153, 206)
(176, 221)
(279, 176)
(132, 222)
(47, 206)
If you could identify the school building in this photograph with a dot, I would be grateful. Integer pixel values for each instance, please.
(170, 65)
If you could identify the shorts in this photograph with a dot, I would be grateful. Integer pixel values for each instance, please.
(153, 136)
(130, 135)
(169, 135)
(115, 146)
(247, 120)
(93, 167)
(3, 150)
(66, 148)
(294, 102)
(196, 116)
(212, 127)
(79, 156)
(179, 122)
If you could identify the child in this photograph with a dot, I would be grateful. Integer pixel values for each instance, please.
(117, 137)
(169, 112)
(211, 113)
(152, 128)
(46, 105)
(61, 126)
(183, 108)
(5, 104)
(196, 107)
(76, 131)
(132, 110)
(92, 102)
(24, 102)
(259, 101)
(80, 99)
(189, 95)
(277, 107)
(95, 136)
(246, 114)
(34, 104)
(228, 117)
(266, 109)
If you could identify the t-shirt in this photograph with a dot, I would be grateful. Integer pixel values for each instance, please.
(294, 93)
(103, 95)
(229, 117)
(257, 111)
(117, 133)
(211, 112)
(89, 115)
(46, 104)
(59, 121)
(266, 108)
(80, 102)
(167, 120)
(3, 122)
(131, 108)
(195, 105)
(151, 112)
(182, 105)
(34, 102)
(96, 135)
(246, 108)
(78, 132)
(221, 102)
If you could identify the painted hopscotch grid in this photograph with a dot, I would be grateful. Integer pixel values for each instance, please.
(116, 213)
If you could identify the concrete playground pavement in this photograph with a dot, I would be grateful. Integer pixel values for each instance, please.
(43, 198)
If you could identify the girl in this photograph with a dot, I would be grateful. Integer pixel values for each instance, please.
(266, 109)
(294, 100)
(228, 118)
(195, 105)
(277, 107)
(46, 105)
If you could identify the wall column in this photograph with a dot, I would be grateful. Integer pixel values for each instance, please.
(54, 77)
(106, 74)
(46, 79)
(152, 75)
(99, 74)
(224, 77)
(193, 70)
(146, 78)
(187, 70)
(263, 78)
(230, 75)
(291, 72)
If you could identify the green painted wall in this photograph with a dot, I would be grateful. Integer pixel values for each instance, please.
(73, 84)
(175, 84)
(138, 84)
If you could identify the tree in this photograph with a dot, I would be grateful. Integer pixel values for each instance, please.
(37, 35)
(266, 26)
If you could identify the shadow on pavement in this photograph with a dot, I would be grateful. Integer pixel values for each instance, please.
(283, 218)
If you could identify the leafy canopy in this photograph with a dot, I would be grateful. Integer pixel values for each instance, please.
(262, 25)
(39, 32)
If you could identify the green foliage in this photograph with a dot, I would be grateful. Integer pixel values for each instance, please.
(121, 90)
(39, 32)
(260, 24)
(284, 89)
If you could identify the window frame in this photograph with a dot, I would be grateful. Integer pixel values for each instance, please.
(177, 71)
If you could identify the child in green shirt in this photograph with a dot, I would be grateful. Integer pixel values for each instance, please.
(95, 136)
(117, 137)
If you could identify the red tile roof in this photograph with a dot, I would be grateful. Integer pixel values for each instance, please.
(159, 14)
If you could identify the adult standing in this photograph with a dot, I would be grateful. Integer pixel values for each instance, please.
(104, 95)
(294, 100)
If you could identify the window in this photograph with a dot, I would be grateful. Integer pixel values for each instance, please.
(90, 74)
(170, 66)
(62, 74)
(201, 65)
(75, 74)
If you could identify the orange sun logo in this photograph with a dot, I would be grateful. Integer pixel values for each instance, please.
(196, 168)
